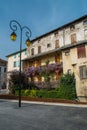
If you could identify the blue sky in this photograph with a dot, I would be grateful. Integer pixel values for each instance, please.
(41, 16)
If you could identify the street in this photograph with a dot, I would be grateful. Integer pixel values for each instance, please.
(41, 117)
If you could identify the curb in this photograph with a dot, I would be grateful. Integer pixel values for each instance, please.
(46, 103)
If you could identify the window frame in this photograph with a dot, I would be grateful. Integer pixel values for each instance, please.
(14, 55)
(57, 43)
(32, 51)
(56, 34)
(67, 52)
(39, 49)
(48, 45)
(14, 64)
(25, 52)
(81, 51)
(83, 72)
(5, 69)
(73, 38)
(85, 22)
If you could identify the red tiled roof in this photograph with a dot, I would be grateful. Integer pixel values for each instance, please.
(3, 61)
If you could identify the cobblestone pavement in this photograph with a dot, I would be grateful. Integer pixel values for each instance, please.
(41, 117)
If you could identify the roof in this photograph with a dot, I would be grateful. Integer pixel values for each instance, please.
(3, 61)
(16, 52)
(61, 27)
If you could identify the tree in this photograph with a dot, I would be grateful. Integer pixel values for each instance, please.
(14, 81)
(67, 88)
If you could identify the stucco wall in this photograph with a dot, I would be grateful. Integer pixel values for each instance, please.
(12, 59)
(72, 63)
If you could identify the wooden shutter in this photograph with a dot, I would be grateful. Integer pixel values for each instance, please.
(81, 51)
(83, 72)
(32, 51)
(73, 38)
(57, 44)
(39, 49)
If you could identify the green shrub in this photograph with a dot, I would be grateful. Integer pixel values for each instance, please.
(41, 93)
(67, 88)
(47, 94)
(52, 94)
(67, 79)
(32, 93)
(26, 92)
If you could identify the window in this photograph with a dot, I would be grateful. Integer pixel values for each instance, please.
(14, 64)
(39, 49)
(25, 52)
(57, 58)
(56, 34)
(15, 56)
(85, 22)
(5, 69)
(72, 28)
(67, 52)
(18, 63)
(83, 72)
(85, 33)
(37, 63)
(81, 52)
(73, 38)
(18, 54)
(32, 51)
(39, 40)
(48, 45)
(57, 44)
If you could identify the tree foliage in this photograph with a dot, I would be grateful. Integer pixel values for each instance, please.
(67, 86)
(15, 79)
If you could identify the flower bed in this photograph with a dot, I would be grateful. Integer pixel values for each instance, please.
(25, 98)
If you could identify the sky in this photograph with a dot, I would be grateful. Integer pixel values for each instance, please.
(41, 16)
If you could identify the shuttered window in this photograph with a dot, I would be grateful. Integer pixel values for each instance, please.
(73, 38)
(57, 44)
(32, 51)
(56, 34)
(39, 49)
(14, 64)
(57, 58)
(81, 51)
(83, 72)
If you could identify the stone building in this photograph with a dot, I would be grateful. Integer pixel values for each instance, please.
(66, 45)
(3, 73)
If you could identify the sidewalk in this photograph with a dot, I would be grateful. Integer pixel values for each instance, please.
(47, 103)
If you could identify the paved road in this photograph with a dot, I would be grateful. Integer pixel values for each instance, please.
(41, 117)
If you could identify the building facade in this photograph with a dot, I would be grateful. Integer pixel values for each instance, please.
(3, 73)
(66, 45)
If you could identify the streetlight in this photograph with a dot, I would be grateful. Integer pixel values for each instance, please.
(14, 26)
